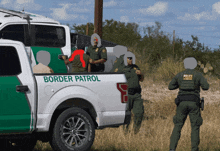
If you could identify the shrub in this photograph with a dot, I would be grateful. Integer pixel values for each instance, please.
(168, 69)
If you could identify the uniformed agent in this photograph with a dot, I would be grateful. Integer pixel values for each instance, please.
(43, 57)
(119, 51)
(78, 61)
(188, 100)
(97, 54)
(133, 76)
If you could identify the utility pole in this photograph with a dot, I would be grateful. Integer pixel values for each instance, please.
(87, 29)
(98, 17)
(173, 42)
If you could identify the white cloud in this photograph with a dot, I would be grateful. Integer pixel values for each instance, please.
(61, 13)
(157, 9)
(80, 10)
(202, 23)
(110, 3)
(200, 28)
(83, 17)
(126, 11)
(213, 28)
(146, 24)
(24, 1)
(216, 7)
(203, 15)
(75, 7)
(20, 4)
(4, 2)
(124, 19)
(198, 16)
(85, 3)
(89, 2)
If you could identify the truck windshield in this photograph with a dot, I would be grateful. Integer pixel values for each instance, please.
(40, 35)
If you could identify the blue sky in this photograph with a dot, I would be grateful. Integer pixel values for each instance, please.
(187, 17)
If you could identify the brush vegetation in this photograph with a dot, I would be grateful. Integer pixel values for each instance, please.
(157, 60)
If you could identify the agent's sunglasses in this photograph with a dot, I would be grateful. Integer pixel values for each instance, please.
(130, 58)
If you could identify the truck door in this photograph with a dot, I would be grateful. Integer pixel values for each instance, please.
(16, 91)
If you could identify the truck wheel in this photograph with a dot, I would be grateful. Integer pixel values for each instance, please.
(74, 130)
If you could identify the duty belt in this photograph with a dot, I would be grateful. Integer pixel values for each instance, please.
(189, 97)
(132, 91)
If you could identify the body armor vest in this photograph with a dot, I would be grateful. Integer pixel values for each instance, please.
(187, 81)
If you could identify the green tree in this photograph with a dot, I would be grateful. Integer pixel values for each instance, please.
(81, 29)
(115, 31)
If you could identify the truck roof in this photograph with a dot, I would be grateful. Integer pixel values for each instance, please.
(21, 16)
(8, 41)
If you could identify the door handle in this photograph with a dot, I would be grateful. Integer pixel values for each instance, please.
(22, 88)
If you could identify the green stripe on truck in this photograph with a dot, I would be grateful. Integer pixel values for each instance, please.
(15, 114)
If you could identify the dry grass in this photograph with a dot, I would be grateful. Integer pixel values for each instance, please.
(158, 124)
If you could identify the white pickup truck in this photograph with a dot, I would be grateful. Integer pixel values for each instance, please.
(38, 33)
(64, 109)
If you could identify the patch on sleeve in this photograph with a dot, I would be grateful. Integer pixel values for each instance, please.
(115, 61)
(116, 69)
(104, 50)
(135, 68)
(187, 77)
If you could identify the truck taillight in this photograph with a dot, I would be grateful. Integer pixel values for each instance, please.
(123, 87)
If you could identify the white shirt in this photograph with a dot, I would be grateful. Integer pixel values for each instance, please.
(40, 68)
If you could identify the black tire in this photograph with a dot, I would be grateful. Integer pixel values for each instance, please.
(79, 131)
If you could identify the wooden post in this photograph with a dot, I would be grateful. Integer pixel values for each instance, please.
(98, 17)
(173, 42)
(87, 29)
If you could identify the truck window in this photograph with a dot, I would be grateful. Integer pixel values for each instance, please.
(13, 32)
(41, 35)
(9, 61)
(48, 36)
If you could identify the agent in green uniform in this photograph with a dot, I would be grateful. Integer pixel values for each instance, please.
(77, 65)
(119, 52)
(97, 54)
(188, 100)
(133, 76)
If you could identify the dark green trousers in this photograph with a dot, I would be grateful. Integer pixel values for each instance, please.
(136, 103)
(183, 109)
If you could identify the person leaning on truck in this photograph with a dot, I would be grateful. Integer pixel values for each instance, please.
(119, 51)
(97, 54)
(133, 75)
(77, 64)
(187, 101)
(43, 57)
